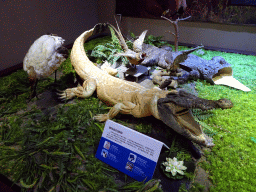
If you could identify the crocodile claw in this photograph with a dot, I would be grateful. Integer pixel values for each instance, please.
(101, 117)
(63, 95)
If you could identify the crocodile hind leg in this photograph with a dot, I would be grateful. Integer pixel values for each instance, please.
(124, 108)
(89, 86)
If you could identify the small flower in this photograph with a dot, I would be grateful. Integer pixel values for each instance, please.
(174, 166)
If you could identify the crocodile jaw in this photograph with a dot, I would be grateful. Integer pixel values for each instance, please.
(182, 121)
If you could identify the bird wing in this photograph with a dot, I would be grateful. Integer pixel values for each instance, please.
(119, 36)
(130, 55)
(181, 57)
(137, 45)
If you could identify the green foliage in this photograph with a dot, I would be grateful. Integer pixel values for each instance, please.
(182, 154)
(197, 187)
(89, 45)
(150, 186)
(133, 35)
(66, 67)
(13, 85)
(183, 188)
(108, 51)
(179, 151)
(200, 116)
(231, 160)
(54, 149)
(115, 40)
(156, 41)
(14, 89)
(151, 40)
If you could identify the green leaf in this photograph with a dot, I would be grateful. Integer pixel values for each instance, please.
(45, 141)
(79, 152)
(98, 54)
(90, 184)
(58, 153)
(26, 185)
(46, 167)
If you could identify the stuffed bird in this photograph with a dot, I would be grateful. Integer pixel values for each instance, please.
(135, 56)
(43, 58)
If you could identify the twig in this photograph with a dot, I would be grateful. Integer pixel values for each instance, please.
(184, 18)
(175, 24)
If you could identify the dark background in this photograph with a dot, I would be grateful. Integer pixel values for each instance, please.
(213, 11)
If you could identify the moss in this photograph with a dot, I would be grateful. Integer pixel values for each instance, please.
(15, 91)
(231, 160)
(197, 187)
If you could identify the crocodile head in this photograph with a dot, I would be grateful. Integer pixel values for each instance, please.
(224, 103)
(174, 110)
(182, 121)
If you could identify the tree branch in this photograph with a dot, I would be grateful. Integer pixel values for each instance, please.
(167, 19)
(175, 24)
(184, 18)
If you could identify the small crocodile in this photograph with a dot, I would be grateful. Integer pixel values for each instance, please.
(190, 66)
(134, 99)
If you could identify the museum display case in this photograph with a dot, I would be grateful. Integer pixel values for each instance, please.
(195, 103)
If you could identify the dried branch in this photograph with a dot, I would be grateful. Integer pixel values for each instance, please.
(167, 19)
(184, 18)
(175, 24)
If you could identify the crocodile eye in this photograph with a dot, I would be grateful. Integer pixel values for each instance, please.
(143, 55)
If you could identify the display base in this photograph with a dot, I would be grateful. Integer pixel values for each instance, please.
(135, 72)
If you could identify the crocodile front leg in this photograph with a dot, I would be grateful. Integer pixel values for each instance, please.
(124, 108)
(89, 86)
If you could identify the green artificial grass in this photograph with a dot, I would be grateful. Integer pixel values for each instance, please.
(231, 163)
(56, 152)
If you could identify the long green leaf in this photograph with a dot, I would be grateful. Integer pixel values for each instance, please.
(79, 152)
(26, 185)
(45, 141)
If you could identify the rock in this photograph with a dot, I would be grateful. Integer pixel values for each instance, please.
(147, 83)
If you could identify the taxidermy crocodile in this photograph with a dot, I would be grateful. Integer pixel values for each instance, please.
(171, 107)
(190, 66)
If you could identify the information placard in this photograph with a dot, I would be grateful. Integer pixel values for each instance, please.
(129, 151)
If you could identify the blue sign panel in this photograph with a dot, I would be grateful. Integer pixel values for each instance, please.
(125, 160)
(129, 151)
